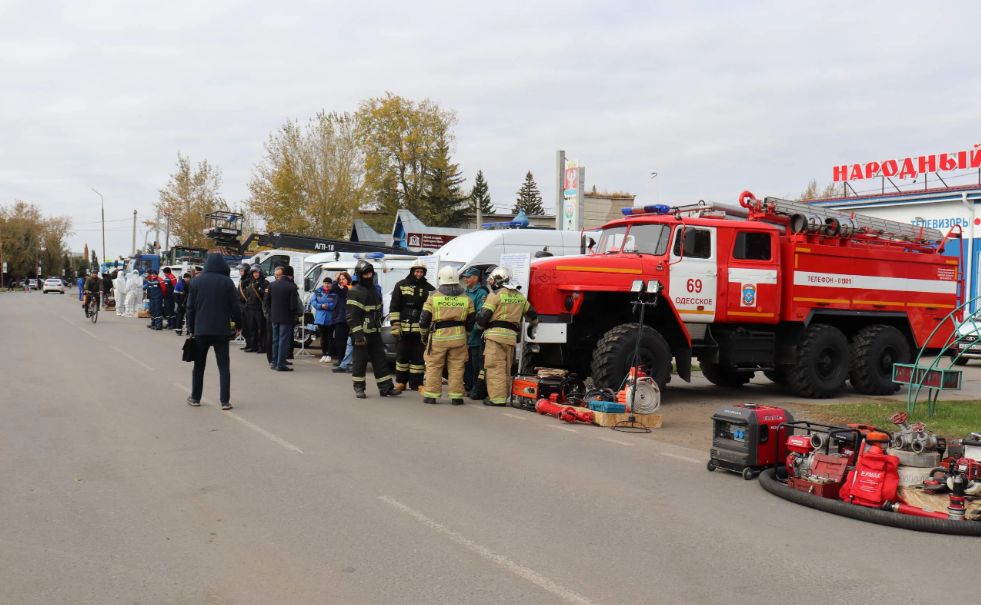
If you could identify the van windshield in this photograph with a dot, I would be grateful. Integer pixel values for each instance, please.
(641, 239)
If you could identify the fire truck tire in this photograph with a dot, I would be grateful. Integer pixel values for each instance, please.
(822, 363)
(769, 482)
(874, 349)
(615, 351)
(776, 376)
(724, 376)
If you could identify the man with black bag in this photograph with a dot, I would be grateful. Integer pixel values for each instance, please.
(212, 310)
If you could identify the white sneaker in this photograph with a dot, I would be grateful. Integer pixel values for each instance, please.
(328, 358)
(324, 359)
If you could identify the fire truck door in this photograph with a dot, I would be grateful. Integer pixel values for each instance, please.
(752, 293)
(694, 274)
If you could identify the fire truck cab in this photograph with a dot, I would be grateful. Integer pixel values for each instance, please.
(812, 298)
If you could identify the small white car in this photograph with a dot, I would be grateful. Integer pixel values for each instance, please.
(53, 284)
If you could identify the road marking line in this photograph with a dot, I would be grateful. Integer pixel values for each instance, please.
(258, 429)
(510, 415)
(479, 407)
(270, 436)
(617, 441)
(561, 428)
(685, 458)
(130, 357)
(73, 324)
(570, 596)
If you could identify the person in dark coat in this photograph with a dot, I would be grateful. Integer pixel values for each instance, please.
(168, 297)
(180, 297)
(340, 289)
(212, 310)
(255, 294)
(283, 308)
(364, 314)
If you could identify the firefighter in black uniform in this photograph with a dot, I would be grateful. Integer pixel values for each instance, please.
(408, 297)
(364, 316)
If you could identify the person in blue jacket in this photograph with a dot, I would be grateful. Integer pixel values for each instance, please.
(155, 288)
(322, 303)
(81, 285)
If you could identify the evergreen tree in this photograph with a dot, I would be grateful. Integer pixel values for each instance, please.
(443, 202)
(479, 196)
(529, 197)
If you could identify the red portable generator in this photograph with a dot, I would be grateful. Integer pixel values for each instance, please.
(746, 438)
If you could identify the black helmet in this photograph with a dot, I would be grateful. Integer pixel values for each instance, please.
(363, 267)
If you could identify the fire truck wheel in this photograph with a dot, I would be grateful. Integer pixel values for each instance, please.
(822, 363)
(874, 349)
(615, 351)
(778, 376)
(724, 376)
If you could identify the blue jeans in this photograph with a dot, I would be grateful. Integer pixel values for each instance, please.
(281, 336)
(348, 354)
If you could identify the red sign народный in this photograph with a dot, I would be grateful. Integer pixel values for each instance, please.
(909, 167)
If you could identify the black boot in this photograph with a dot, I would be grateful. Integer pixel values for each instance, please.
(456, 401)
(387, 389)
(359, 390)
(431, 400)
(479, 391)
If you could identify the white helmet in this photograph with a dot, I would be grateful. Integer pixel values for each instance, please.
(499, 277)
(448, 276)
(418, 264)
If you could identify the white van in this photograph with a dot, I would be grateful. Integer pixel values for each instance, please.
(268, 260)
(389, 270)
(483, 249)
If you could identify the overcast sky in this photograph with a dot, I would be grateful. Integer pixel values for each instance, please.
(716, 97)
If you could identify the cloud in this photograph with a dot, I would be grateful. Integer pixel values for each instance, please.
(715, 97)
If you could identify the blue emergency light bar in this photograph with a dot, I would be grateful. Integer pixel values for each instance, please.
(649, 209)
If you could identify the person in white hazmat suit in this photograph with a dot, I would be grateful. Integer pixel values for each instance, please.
(119, 285)
(134, 293)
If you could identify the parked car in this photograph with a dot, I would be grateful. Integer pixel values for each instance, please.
(53, 284)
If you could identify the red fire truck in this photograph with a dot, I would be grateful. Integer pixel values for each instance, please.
(811, 297)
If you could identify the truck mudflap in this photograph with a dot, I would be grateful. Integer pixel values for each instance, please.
(552, 329)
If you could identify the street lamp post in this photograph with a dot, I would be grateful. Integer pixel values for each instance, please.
(103, 206)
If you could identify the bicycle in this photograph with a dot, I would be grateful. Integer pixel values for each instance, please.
(92, 307)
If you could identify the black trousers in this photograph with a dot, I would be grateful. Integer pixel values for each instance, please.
(220, 345)
(410, 365)
(326, 338)
(267, 338)
(374, 351)
(475, 363)
(341, 331)
(181, 312)
(253, 321)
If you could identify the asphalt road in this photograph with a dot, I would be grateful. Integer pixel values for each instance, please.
(115, 491)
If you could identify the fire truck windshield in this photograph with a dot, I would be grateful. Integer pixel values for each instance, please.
(641, 239)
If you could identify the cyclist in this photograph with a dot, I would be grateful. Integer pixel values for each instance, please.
(93, 288)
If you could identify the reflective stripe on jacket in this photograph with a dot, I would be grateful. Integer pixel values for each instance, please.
(505, 306)
(450, 316)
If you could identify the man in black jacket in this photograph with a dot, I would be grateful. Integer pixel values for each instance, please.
(212, 309)
(255, 291)
(283, 307)
(364, 313)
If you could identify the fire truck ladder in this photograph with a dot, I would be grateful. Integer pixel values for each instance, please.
(804, 218)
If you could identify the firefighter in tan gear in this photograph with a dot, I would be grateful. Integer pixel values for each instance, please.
(446, 320)
(500, 318)
(408, 297)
